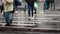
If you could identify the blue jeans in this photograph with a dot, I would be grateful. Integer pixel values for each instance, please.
(25, 6)
(7, 17)
(30, 8)
(16, 8)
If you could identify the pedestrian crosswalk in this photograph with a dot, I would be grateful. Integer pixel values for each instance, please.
(42, 19)
(45, 20)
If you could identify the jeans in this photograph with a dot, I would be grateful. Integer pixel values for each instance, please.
(16, 8)
(7, 17)
(25, 6)
(30, 8)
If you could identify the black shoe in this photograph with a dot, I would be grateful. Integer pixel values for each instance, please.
(35, 13)
(7, 25)
(10, 21)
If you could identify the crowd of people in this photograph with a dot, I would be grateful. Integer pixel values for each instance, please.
(10, 7)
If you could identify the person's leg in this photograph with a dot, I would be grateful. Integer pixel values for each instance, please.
(20, 2)
(0, 8)
(32, 10)
(35, 10)
(7, 17)
(29, 10)
(25, 7)
(45, 5)
(12, 14)
(16, 8)
(48, 3)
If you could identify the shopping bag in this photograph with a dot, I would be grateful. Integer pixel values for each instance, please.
(35, 4)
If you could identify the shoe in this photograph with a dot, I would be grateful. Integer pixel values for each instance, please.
(7, 25)
(29, 17)
(16, 11)
(34, 12)
(32, 17)
(47, 10)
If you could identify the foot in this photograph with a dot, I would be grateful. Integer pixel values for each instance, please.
(32, 17)
(29, 17)
(7, 25)
(35, 13)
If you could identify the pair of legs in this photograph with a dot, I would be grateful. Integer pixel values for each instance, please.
(7, 17)
(46, 5)
(26, 8)
(30, 8)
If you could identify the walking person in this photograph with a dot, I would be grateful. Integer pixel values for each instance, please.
(8, 8)
(35, 8)
(25, 7)
(16, 6)
(46, 5)
(30, 7)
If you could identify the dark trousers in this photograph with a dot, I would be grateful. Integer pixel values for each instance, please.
(16, 7)
(46, 5)
(30, 8)
(0, 9)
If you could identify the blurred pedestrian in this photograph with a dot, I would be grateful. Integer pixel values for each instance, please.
(30, 7)
(47, 4)
(35, 8)
(8, 8)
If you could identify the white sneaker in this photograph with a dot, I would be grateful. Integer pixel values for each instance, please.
(29, 17)
(16, 11)
(32, 17)
(2, 13)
